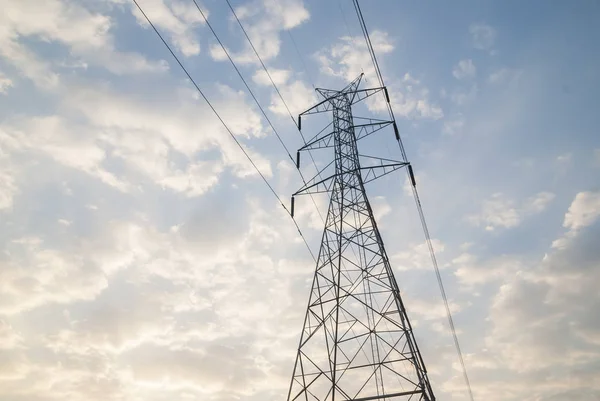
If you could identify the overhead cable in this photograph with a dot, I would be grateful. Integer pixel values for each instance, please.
(224, 125)
(418, 203)
(280, 97)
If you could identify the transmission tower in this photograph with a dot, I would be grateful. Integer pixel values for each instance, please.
(357, 342)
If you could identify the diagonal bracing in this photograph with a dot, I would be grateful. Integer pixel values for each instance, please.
(357, 342)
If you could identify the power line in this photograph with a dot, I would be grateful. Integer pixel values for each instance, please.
(344, 17)
(280, 97)
(262, 63)
(301, 58)
(224, 125)
(283, 101)
(243, 80)
(252, 93)
(418, 203)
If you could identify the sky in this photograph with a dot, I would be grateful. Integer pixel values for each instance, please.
(143, 257)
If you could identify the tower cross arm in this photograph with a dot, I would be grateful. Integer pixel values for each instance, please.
(369, 174)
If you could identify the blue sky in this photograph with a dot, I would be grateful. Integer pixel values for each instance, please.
(144, 259)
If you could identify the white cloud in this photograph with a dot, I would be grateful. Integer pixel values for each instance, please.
(565, 158)
(429, 310)
(538, 203)
(349, 57)
(409, 98)
(168, 292)
(500, 211)
(504, 75)
(297, 95)
(464, 69)
(5, 83)
(178, 18)
(470, 270)
(462, 97)
(8, 187)
(9, 337)
(149, 295)
(584, 211)
(454, 125)
(86, 34)
(381, 208)
(483, 36)
(538, 335)
(53, 136)
(36, 274)
(264, 20)
(146, 137)
(278, 76)
(217, 53)
(417, 256)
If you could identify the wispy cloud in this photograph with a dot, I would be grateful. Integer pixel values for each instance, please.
(501, 211)
(464, 69)
(483, 36)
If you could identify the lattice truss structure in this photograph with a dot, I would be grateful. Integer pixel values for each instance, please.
(357, 342)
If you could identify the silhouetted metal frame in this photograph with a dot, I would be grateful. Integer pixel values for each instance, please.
(348, 195)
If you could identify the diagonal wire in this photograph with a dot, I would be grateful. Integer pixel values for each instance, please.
(301, 58)
(263, 65)
(243, 79)
(418, 204)
(276, 89)
(282, 100)
(224, 125)
(344, 17)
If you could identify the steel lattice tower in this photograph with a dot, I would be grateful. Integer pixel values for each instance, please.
(357, 342)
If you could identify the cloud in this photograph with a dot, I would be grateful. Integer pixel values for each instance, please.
(417, 256)
(565, 158)
(538, 203)
(263, 21)
(160, 318)
(145, 136)
(482, 36)
(8, 185)
(5, 83)
(429, 310)
(37, 274)
(297, 95)
(471, 271)
(142, 258)
(462, 97)
(278, 76)
(584, 210)
(349, 57)
(53, 136)
(178, 18)
(9, 337)
(543, 299)
(464, 69)
(499, 211)
(504, 75)
(539, 335)
(86, 34)
(409, 98)
(454, 125)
